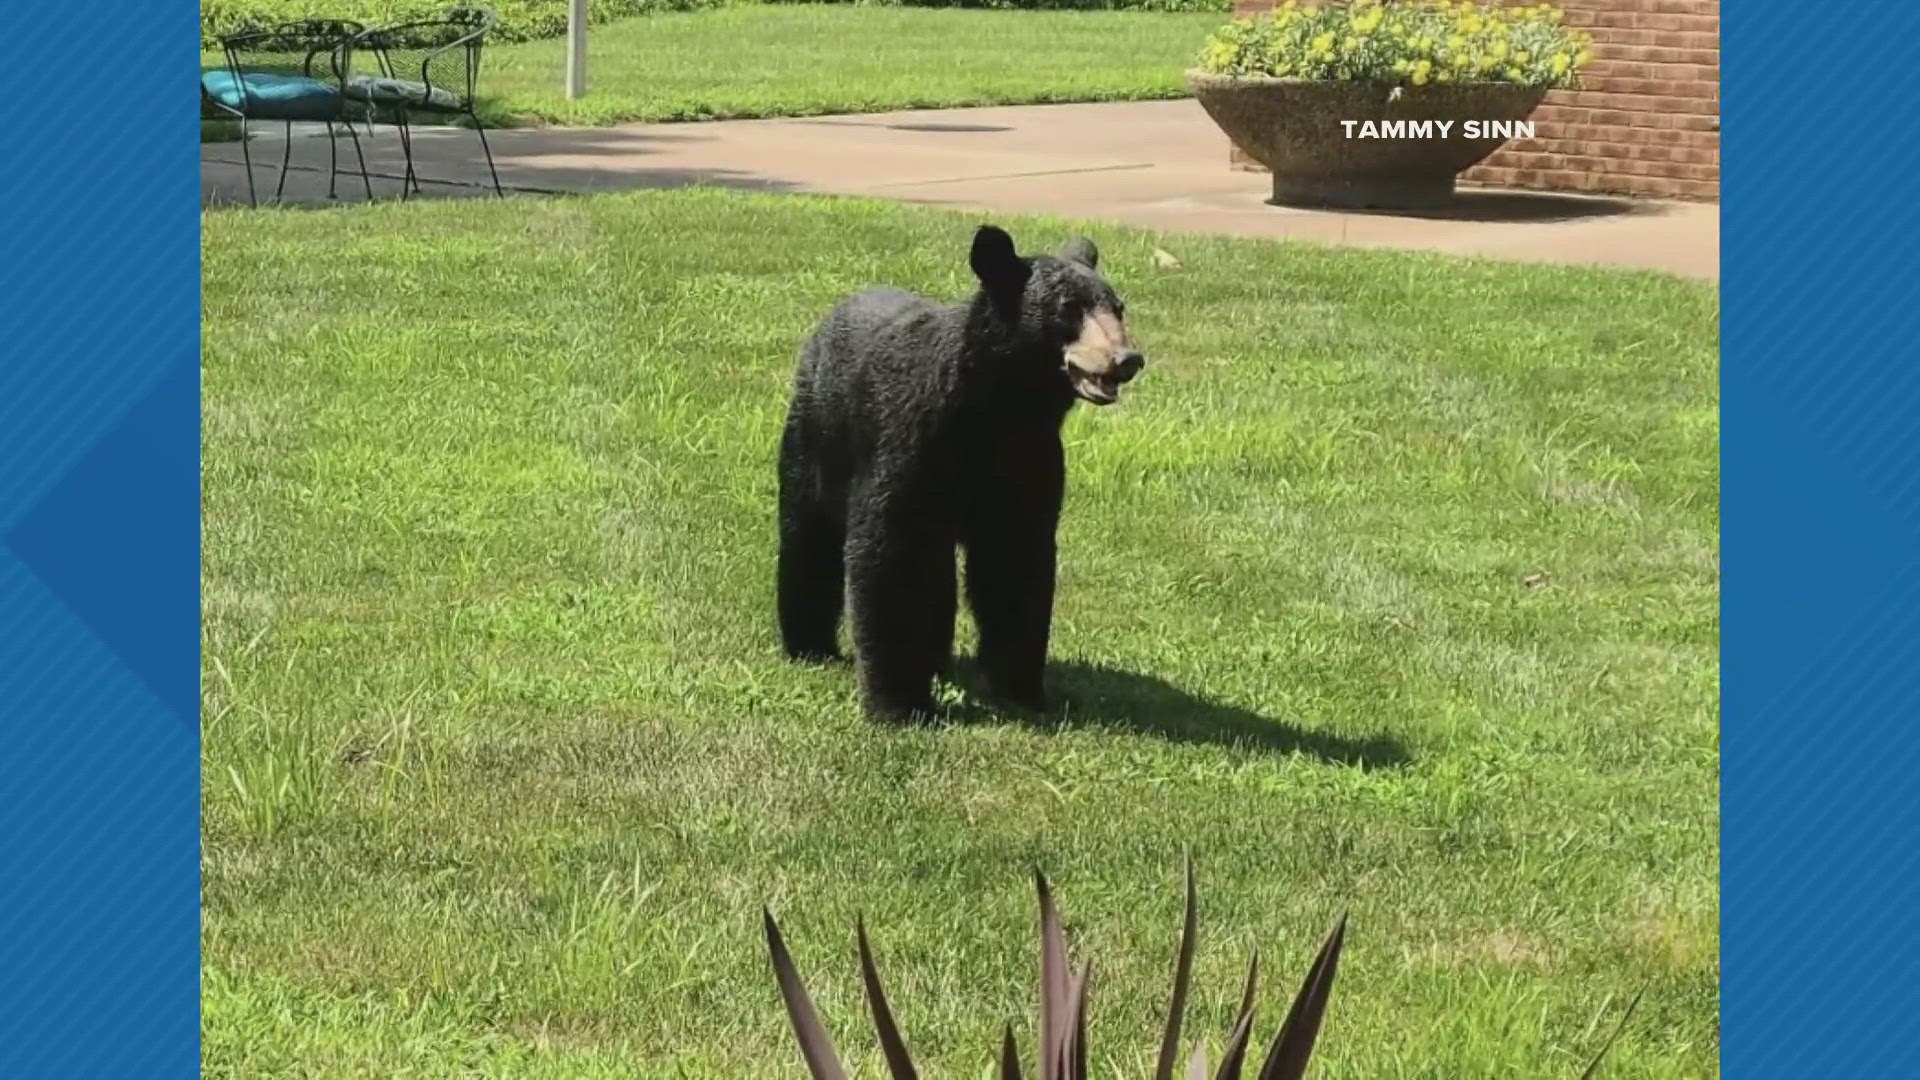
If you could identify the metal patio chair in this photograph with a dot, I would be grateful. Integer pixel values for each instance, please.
(292, 71)
(428, 66)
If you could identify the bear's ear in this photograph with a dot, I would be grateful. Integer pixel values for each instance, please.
(995, 262)
(1081, 250)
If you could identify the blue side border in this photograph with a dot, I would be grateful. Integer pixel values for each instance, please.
(1821, 542)
(99, 542)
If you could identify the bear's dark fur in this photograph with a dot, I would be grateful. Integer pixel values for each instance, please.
(917, 426)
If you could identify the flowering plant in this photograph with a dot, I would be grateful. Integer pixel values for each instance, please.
(1402, 42)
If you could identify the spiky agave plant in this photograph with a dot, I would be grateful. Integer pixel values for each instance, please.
(1062, 1053)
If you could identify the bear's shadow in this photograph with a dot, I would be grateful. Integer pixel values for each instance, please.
(1094, 695)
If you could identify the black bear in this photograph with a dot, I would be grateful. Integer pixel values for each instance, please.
(918, 426)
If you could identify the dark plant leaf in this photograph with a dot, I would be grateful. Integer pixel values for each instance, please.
(899, 1062)
(1235, 1055)
(822, 1062)
(1293, 1046)
(1073, 1059)
(1253, 977)
(1009, 1056)
(1593, 1067)
(1182, 973)
(1053, 984)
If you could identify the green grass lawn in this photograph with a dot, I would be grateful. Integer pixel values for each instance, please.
(1392, 587)
(800, 60)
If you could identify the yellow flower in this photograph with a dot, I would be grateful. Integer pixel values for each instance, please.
(1456, 42)
(1520, 57)
(1585, 58)
(1561, 63)
(1323, 43)
(1402, 67)
(1443, 76)
(1514, 73)
(1421, 71)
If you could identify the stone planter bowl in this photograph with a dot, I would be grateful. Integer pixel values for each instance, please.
(1292, 126)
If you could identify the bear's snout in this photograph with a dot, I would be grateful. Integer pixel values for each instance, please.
(1102, 358)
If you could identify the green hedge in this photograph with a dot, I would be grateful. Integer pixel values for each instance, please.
(1044, 5)
(520, 20)
(526, 20)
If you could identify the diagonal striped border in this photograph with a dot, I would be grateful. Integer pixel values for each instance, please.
(1821, 520)
(99, 543)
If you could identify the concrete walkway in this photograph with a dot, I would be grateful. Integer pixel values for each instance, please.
(1162, 165)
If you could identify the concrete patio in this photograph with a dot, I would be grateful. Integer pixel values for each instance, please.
(1162, 165)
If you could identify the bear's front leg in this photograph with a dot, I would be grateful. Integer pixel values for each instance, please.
(1009, 537)
(899, 563)
(1010, 589)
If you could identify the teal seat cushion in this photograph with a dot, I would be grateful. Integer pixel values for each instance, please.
(385, 91)
(268, 95)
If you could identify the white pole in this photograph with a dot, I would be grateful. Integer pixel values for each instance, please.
(576, 48)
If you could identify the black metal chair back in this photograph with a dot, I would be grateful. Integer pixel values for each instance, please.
(441, 54)
(291, 71)
(315, 48)
(427, 66)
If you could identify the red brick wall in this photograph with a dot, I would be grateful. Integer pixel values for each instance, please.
(1646, 120)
